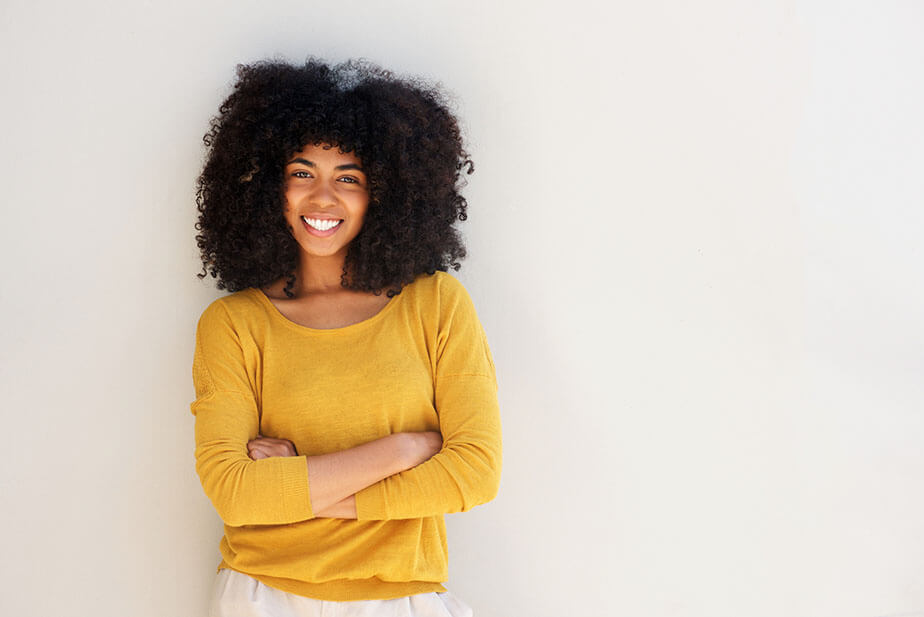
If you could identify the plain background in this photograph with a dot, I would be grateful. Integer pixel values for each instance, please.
(694, 242)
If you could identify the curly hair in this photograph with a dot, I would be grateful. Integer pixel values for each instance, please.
(400, 128)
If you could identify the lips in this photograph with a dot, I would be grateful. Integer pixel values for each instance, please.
(325, 224)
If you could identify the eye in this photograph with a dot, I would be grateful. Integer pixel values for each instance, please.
(301, 173)
(350, 179)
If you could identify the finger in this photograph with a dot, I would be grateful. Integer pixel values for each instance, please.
(276, 450)
(266, 440)
(252, 449)
(263, 441)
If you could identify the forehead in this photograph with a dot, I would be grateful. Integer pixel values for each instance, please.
(325, 154)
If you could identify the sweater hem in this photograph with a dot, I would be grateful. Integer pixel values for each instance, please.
(345, 590)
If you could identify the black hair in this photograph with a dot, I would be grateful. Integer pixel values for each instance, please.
(401, 128)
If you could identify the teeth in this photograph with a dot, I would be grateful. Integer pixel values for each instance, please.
(321, 224)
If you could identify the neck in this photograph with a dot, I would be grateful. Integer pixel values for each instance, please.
(318, 274)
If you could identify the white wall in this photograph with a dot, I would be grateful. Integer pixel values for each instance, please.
(694, 243)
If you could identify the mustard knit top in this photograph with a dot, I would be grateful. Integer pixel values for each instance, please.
(421, 363)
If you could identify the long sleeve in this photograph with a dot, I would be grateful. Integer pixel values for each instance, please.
(421, 363)
(466, 472)
(244, 492)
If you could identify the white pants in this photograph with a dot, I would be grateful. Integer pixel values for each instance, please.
(238, 595)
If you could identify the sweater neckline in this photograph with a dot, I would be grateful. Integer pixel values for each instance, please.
(359, 325)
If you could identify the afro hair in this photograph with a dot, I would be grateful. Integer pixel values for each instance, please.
(401, 128)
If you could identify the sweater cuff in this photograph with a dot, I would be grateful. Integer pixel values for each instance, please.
(296, 493)
(370, 503)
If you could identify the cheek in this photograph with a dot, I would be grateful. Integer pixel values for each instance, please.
(361, 218)
(362, 207)
(291, 195)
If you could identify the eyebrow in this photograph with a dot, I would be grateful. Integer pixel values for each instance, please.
(338, 167)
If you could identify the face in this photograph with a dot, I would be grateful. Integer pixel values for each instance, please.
(326, 198)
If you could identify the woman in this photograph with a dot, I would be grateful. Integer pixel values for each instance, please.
(346, 397)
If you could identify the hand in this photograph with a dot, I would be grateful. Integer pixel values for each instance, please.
(265, 447)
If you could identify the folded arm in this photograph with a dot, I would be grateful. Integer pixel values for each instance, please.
(464, 474)
(273, 489)
(249, 487)
(466, 471)
(376, 480)
(268, 491)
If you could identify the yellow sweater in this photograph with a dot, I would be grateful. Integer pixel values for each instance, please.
(421, 363)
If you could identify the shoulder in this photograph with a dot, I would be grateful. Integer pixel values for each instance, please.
(444, 297)
(230, 308)
(439, 286)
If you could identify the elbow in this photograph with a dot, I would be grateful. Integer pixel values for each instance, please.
(220, 481)
(230, 516)
(231, 509)
(486, 485)
(491, 484)
(485, 458)
(270, 491)
(242, 493)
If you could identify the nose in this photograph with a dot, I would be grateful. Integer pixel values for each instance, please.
(322, 195)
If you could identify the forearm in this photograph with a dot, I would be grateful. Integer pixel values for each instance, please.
(465, 473)
(412, 450)
(427, 489)
(345, 508)
(244, 491)
(336, 476)
(455, 480)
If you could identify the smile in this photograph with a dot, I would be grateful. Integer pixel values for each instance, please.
(322, 224)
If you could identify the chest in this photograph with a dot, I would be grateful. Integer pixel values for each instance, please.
(328, 393)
